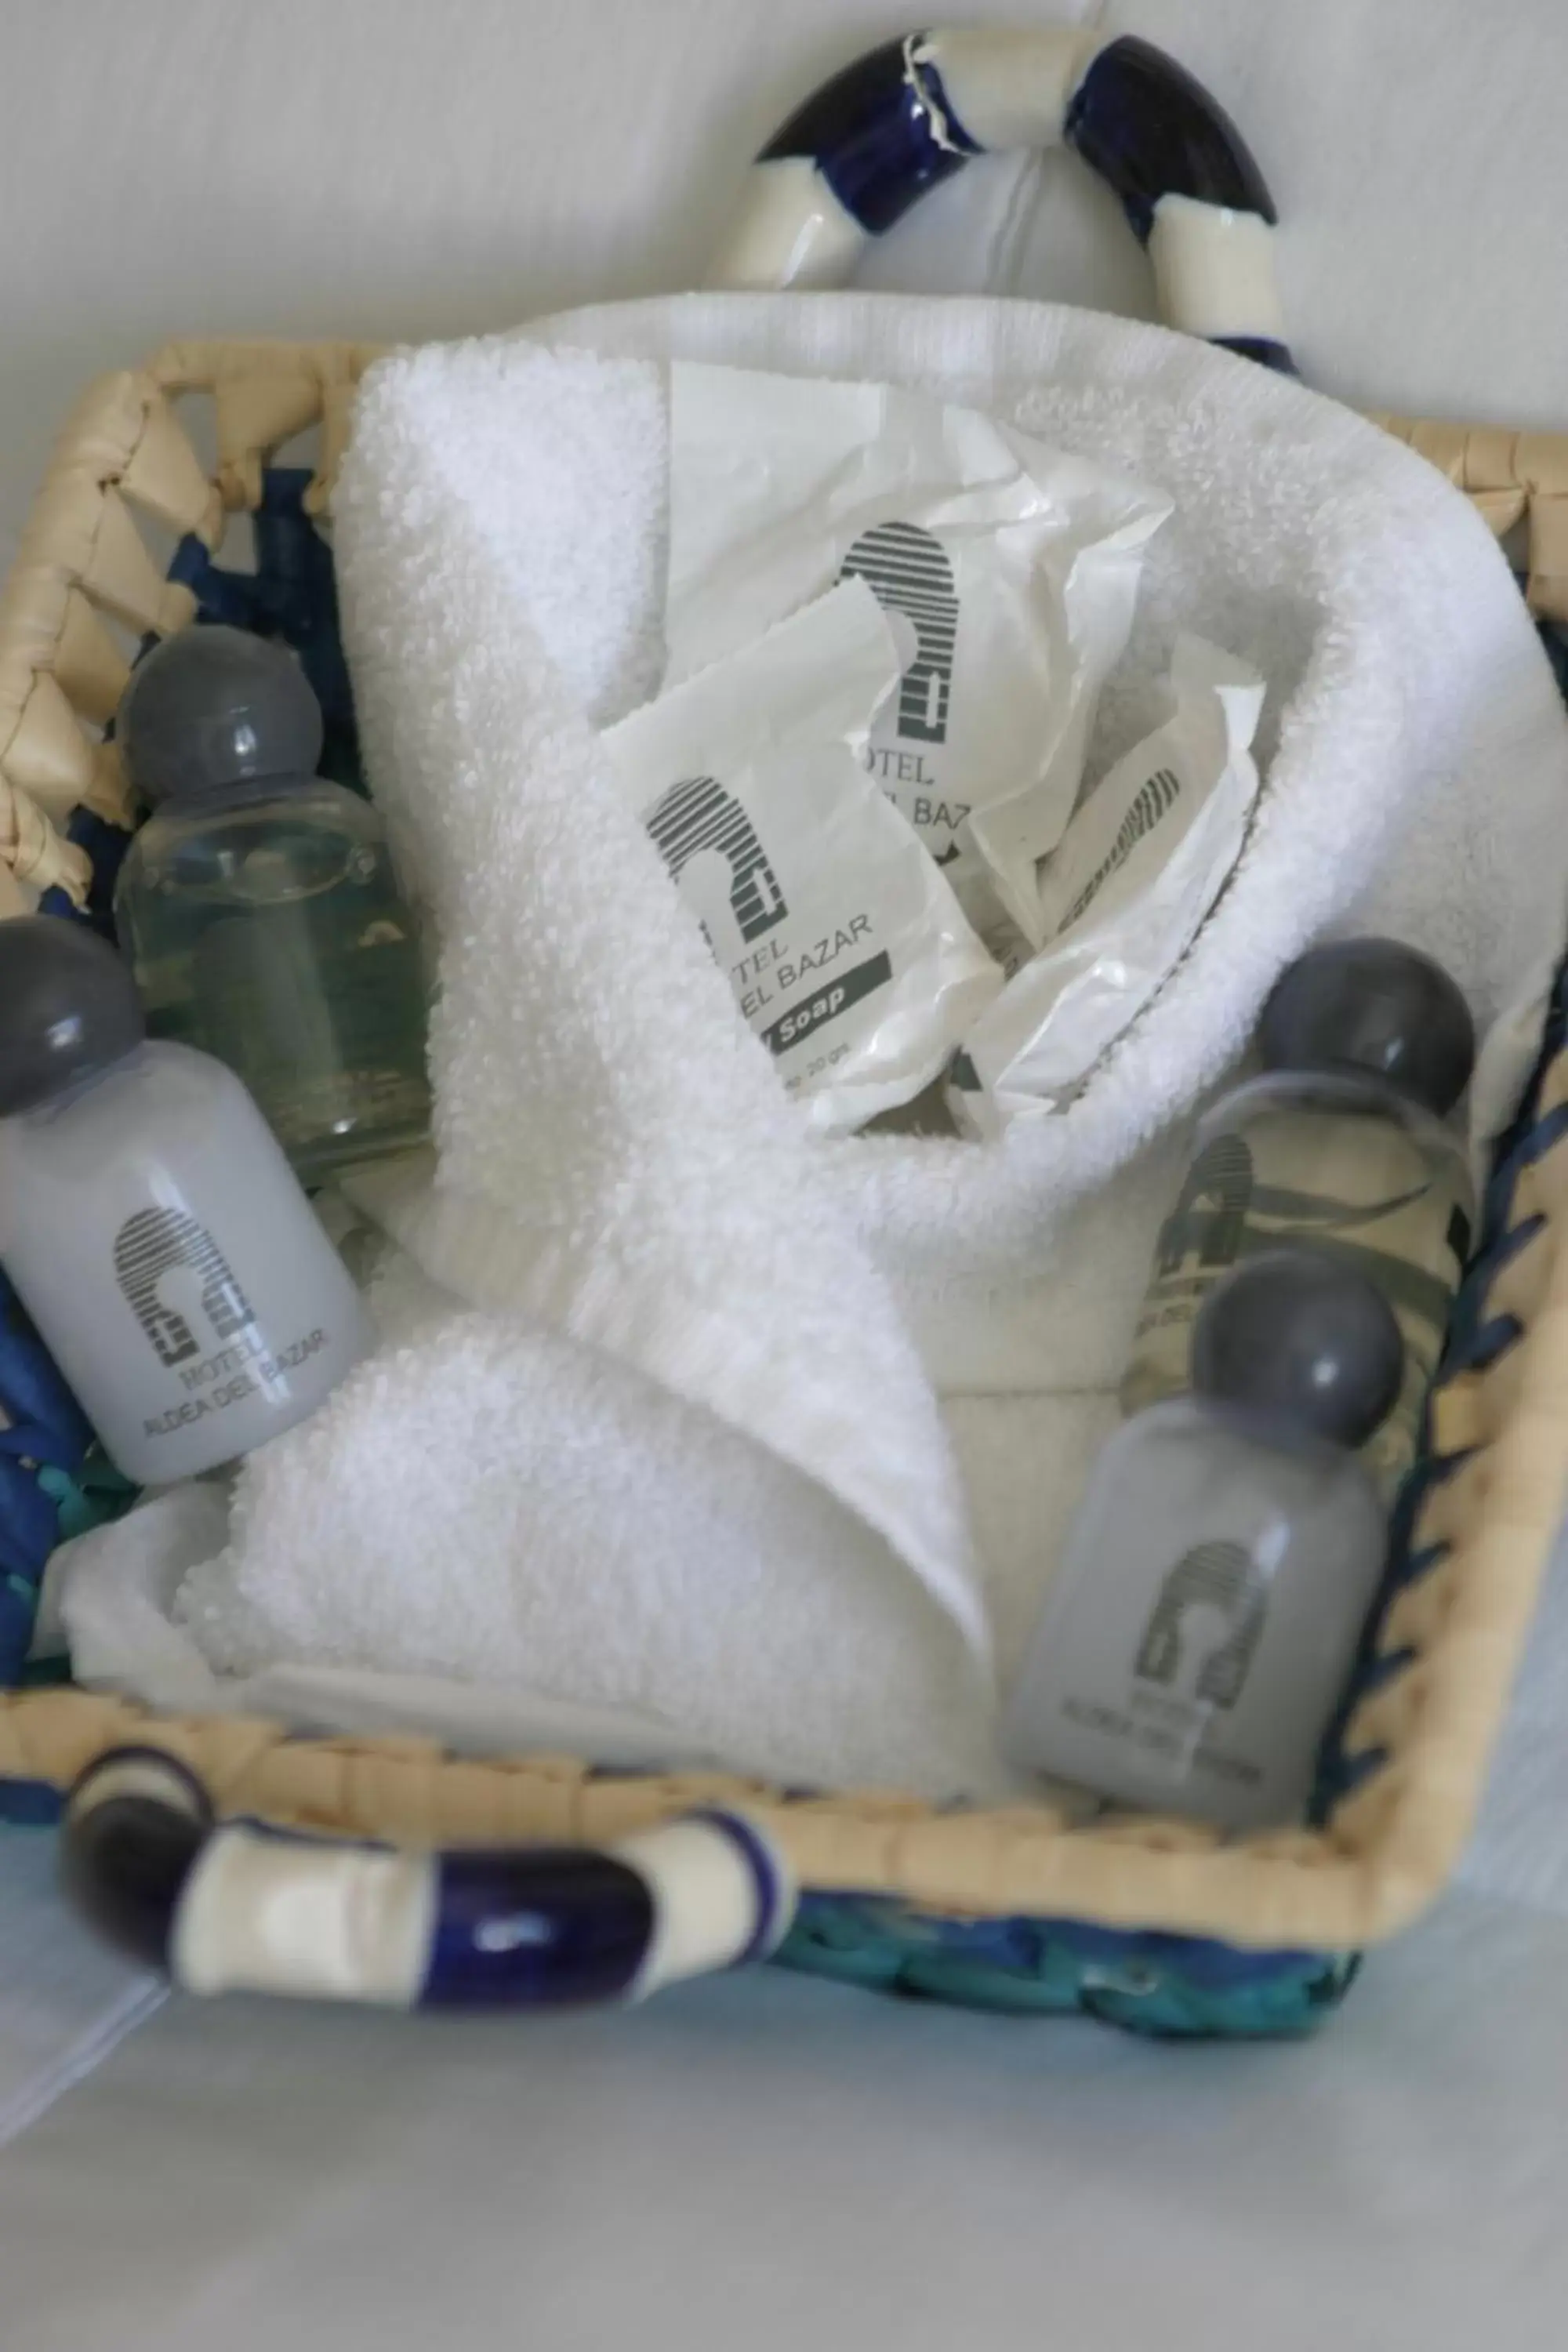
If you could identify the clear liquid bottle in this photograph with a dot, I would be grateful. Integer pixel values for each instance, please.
(1367, 1045)
(151, 1224)
(1213, 1589)
(258, 907)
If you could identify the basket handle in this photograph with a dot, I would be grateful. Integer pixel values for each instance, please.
(867, 145)
(235, 1906)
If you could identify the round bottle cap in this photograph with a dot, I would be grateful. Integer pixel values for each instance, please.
(1295, 1337)
(211, 707)
(1372, 1008)
(67, 1007)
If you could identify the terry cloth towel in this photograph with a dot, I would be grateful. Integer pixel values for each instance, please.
(654, 1426)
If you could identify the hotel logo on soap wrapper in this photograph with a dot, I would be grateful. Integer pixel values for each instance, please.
(699, 814)
(907, 572)
(846, 954)
(152, 1245)
(1150, 802)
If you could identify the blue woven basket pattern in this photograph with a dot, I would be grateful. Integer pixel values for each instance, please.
(1176, 1985)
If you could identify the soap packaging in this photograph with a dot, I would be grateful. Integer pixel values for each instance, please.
(846, 950)
(1008, 569)
(1138, 870)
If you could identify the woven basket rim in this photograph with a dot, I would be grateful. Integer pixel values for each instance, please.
(1389, 1848)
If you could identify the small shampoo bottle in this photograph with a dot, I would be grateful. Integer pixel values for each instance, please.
(1213, 1589)
(259, 907)
(152, 1226)
(1367, 1046)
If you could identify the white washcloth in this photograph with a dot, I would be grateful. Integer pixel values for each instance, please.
(648, 1432)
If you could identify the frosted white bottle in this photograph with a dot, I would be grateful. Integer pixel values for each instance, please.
(1214, 1587)
(151, 1223)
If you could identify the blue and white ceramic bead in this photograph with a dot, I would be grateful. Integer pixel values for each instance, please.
(869, 144)
(236, 1908)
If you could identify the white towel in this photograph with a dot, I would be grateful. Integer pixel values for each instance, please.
(651, 1432)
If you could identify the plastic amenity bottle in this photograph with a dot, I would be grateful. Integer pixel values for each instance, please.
(1368, 1044)
(151, 1224)
(258, 906)
(1213, 1588)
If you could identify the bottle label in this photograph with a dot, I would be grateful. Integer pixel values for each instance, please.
(197, 1321)
(1194, 1656)
(148, 1247)
(1221, 1579)
(1358, 1185)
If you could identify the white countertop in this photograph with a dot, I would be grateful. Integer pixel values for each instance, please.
(770, 2161)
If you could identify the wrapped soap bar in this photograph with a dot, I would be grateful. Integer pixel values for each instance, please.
(1007, 568)
(845, 949)
(1138, 868)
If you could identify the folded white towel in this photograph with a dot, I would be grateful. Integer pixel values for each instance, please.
(649, 1431)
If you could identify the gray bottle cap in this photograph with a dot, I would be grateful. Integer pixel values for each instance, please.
(67, 1007)
(1372, 1008)
(211, 707)
(1295, 1337)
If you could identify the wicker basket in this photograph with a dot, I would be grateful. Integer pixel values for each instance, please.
(1155, 1924)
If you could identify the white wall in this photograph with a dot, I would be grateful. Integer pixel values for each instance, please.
(425, 167)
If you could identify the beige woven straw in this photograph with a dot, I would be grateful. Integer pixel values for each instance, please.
(87, 585)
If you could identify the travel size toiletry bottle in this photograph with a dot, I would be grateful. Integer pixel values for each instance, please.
(258, 907)
(1367, 1046)
(151, 1224)
(1213, 1588)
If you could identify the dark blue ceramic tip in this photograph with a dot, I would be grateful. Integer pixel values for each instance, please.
(134, 1824)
